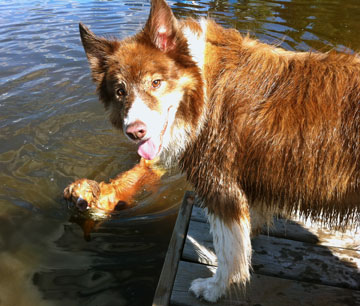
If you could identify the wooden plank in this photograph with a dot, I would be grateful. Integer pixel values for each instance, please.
(283, 257)
(198, 214)
(301, 231)
(168, 272)
(313, 233)
(262, 290)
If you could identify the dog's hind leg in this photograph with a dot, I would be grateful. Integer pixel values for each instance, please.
(232, 245)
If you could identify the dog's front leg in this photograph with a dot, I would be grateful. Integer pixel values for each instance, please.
(232, 245)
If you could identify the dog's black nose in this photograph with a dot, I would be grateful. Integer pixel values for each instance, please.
(82, 204)
(136, 130)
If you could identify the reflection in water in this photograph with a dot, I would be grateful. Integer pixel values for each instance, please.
(53, 131)
(86, 223)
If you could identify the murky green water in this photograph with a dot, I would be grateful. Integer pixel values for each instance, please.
(53, 131)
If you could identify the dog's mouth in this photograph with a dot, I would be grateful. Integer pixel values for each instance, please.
(151, 147)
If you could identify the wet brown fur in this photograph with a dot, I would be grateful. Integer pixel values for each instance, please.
(281, 128)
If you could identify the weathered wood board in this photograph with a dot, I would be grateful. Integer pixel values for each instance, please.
(283, 257)
(294, 262)
(168, 273)
(263, 290)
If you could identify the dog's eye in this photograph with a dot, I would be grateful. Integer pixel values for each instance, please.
(156, 83)
(120, 92)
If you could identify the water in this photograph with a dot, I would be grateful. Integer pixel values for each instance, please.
(53, 131)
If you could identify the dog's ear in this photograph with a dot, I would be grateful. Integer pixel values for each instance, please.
(97, 50)
(162, 26)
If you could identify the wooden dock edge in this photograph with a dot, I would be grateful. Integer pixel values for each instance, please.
(170, 266)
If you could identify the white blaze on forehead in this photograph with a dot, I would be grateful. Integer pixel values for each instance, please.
(160, 123)
(140, 111)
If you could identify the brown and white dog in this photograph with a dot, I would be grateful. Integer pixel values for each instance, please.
(252, 125)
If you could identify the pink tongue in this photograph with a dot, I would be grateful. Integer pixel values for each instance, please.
(148, 149)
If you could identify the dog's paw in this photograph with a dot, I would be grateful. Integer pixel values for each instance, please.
(207, 288)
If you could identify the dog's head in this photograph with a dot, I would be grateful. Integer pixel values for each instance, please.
(149, 83)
